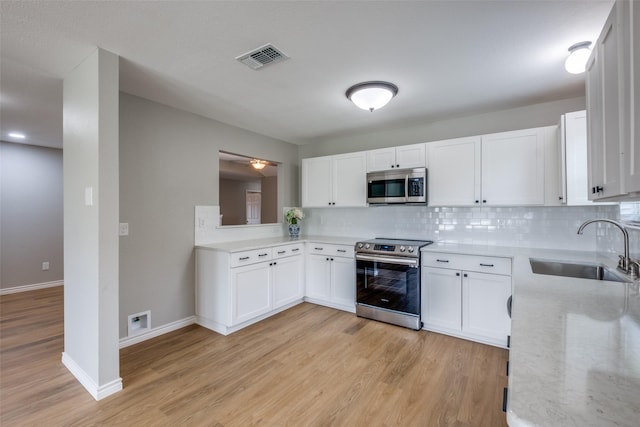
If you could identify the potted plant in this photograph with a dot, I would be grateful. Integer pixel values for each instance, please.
(294, 215)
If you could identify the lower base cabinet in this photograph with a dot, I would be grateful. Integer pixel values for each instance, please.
(331, 276)
(234, 290)
(460, 296)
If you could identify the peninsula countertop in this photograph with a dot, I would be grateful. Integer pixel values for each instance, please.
(574, 358)
(246, 245)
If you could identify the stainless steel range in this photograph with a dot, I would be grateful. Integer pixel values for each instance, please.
(388, 281)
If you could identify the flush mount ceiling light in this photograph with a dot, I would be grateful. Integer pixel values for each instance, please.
(578, 55)
(371, 95)
(258, 164)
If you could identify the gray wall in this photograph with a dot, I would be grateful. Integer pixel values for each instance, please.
(169, 164)
(269, 198)
(233, 199)
(31, 224)
(531, 116)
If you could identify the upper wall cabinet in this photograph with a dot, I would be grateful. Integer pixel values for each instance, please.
(403, 157)
(573, 154)
(334, 181)
(612, 107)
(502, 169)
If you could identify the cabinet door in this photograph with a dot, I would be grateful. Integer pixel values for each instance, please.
(441, 298)
(349, 180)
(602, 85)
(575, 138)
(454, 172)
(318, 277)
(513, 168)
(343, 281)
(287, 280)
(411, 156)
(631, 88)
(381, 159)
(250, 292)
(484, 307)
(316, 182)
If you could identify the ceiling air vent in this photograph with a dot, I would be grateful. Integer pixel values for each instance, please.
(264, 55)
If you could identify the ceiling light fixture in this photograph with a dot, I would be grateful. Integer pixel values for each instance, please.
(579, 53)
(371, 95)
(258, 164)
(17, 135)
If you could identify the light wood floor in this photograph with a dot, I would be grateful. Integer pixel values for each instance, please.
(308, 366)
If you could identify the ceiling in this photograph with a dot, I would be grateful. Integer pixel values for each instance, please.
(448, 58)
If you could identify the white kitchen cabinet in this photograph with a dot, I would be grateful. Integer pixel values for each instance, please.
(574, 171)
(466, 296)
(612, 107)
(401, 157)
(250, 291)
(502, 169)
(454, 172)
(513, 168)
(331, 276)
(236, 289)
(338, 181)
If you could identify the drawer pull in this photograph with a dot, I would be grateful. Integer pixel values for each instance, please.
(442, 260)
(295, 250)
(244, 258)
(261, 255)
(342, 250)
(282, 252)
(318, 249)
(486, 265)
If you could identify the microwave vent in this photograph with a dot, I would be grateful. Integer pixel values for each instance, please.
(264, 55)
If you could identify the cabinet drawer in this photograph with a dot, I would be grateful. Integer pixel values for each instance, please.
(250, 257)
(483, 264)
(344, 251)
(287, 250)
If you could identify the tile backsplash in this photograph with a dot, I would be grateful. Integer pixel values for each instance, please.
(539, 227)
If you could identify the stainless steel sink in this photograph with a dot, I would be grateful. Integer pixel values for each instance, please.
(575, 269)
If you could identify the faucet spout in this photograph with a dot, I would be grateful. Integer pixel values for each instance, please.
(626, 264)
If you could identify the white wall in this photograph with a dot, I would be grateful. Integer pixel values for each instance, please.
(168, 165)
(31, 224)
(90, 161)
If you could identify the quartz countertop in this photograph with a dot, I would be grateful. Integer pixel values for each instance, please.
(574, 358)
(246, 245)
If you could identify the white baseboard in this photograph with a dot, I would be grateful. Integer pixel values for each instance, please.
(98, 392)
(155, 332)
(33, 287)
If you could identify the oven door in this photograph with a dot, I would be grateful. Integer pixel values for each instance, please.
(392, 283)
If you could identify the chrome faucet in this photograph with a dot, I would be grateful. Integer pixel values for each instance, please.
(625, 264)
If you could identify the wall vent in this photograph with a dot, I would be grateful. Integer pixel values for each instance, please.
(264, 55)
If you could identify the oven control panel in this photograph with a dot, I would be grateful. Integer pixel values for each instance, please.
(407, 248)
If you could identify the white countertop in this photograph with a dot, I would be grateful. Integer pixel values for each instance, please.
(246, 245)
(575, 343)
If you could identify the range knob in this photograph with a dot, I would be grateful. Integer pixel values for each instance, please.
(367, 246)
(402, 249)
(360, 245)
(410, 249)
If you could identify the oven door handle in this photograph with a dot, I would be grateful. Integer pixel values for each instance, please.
(390, 260)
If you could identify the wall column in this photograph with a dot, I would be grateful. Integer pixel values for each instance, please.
(91, 215)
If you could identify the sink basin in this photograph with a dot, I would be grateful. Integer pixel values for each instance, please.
(575, 269)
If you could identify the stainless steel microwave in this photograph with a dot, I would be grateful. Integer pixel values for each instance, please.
(397, 186)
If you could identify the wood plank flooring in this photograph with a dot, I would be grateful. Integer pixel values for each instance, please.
(307, 366)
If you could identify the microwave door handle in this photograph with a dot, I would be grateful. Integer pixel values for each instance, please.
(406, 188)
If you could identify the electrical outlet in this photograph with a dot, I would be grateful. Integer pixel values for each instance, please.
(45, 266)
(124, 228)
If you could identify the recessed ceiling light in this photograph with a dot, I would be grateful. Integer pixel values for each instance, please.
(17, 135)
